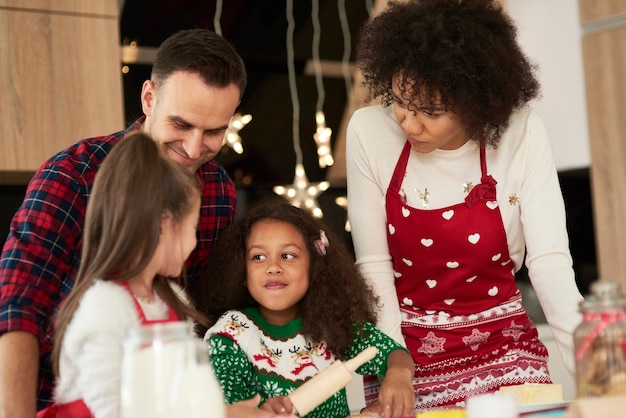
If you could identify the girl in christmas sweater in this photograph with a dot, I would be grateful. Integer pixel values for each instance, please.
(286, 302)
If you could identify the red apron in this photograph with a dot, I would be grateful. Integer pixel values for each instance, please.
(462, 316)
(78, 408)
(171, 317)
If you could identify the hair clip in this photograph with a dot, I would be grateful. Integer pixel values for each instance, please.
(322, 243)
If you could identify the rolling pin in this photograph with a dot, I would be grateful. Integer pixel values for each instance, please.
(322, 386)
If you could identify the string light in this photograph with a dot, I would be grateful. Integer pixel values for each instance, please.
(218, 17)
(322, 139)
(301, 193)
(345, 68)
(347, 51)
(231, 136)
(322, 132)
(238, 121)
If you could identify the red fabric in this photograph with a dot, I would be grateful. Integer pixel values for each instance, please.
(76, 409)
(172, 317)
(462, 316)
(451, 258)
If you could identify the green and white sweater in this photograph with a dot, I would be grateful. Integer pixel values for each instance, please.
(251, 356)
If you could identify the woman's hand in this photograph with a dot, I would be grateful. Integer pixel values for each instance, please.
(248, 409)
(396, 397)
(373, 408)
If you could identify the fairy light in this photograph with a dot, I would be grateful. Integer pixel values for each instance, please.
(238, 121)
(231, 136)
(345, 69)
(322, 139)
(322, 132)
(347, 50)
(301, 193)
(218, 17)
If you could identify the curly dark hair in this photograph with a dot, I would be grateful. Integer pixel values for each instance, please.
(338, 297)
(466, 51)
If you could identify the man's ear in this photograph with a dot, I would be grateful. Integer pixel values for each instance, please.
(148, 97)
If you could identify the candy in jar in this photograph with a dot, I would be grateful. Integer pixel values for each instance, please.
(600, 342)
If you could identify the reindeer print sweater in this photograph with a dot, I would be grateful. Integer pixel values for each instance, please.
(252, 356)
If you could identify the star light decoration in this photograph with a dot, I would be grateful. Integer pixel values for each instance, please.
(322, 132)
(238, 121)
(231, 136)
(322, 139)
(302, 193)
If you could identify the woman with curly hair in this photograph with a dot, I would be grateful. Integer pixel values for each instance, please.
(451, 184)
(286, 302)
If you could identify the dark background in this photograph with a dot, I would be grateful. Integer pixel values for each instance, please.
(258, 30)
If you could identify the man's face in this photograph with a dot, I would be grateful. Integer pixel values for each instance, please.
(188, 118)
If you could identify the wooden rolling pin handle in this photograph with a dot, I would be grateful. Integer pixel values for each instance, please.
(361, 358)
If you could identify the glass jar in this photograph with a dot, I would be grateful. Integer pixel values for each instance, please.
(600, 342)
(166, 373)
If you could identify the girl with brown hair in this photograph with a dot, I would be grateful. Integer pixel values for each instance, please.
(140, 227)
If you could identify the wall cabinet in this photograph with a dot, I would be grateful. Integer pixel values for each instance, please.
(60, 78)
(603, 24)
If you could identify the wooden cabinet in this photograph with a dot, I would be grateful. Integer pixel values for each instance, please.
(603, 24)
(60, 78)
(591, 10)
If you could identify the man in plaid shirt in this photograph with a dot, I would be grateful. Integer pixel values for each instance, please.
(195, 87)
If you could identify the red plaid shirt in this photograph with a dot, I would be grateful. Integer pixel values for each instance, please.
(41, 255)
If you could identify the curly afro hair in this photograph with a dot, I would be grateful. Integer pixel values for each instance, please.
(338, 300)
(459, 54)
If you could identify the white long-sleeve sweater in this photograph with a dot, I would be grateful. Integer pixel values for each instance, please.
(528, 192)
(91, 353)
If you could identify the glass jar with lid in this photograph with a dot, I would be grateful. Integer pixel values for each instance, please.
(600, 342)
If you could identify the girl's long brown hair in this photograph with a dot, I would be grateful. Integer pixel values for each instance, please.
(134, 188)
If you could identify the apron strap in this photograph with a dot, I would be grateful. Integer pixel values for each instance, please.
(487, 187)
(398, 172)
(172, 316)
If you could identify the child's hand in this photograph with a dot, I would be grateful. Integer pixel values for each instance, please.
(280, 405)
(248, 409)
(396, 397)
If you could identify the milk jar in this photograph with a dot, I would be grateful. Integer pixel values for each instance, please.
(166, 373)
(600, 342)
(195, 391)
